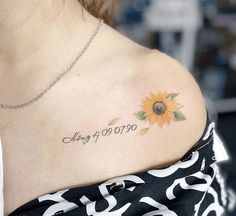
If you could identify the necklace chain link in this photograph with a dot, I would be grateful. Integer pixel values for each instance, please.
(41, 94)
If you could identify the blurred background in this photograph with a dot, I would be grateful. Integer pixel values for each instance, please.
(201, 34)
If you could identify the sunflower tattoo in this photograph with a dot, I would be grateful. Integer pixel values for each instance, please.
(159, 108)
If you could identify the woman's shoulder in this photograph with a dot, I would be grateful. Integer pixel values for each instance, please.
(148, 76)
(169, 102)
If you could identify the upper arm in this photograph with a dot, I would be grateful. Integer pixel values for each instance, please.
(180, 116)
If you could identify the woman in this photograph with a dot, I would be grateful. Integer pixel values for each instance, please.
(92, 122)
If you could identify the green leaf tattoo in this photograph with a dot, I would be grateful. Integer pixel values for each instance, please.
(172, 95)
(178, 116)
(140, 115)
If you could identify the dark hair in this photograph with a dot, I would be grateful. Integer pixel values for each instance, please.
(104, 9)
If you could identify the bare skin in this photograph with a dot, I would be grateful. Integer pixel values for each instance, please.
(115, 76)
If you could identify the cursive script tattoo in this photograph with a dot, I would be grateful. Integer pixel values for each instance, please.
(77, 137)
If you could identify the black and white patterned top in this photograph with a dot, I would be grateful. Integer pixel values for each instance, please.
(191, 187)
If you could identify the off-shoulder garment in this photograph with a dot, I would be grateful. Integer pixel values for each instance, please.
(192, 186)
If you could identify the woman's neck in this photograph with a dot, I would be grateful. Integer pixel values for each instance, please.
(35, 29)
(39, 38)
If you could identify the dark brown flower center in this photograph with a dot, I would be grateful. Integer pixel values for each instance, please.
(159, 108)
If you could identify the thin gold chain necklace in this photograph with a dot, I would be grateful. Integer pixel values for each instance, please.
(41, 94)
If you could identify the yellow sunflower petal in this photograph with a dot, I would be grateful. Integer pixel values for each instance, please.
(142, 131)
(171, 105)
(169, 117)
(152, 119)
(160, 121)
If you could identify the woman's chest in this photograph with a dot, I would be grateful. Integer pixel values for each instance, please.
(82, 141)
